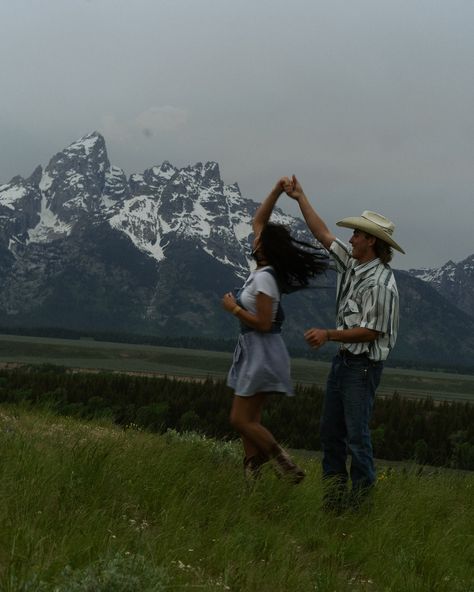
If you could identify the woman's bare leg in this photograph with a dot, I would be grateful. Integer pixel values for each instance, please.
(245, 417)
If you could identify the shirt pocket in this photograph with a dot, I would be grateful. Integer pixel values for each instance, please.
(352, 314)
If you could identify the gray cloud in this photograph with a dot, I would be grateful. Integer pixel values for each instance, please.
(368, 102)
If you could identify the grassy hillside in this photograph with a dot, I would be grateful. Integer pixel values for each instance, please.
(89, 507)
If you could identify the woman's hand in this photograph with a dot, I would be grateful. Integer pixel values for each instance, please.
(229, 302)
(280, 185)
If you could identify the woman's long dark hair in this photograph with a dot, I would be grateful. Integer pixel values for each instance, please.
(294, 266)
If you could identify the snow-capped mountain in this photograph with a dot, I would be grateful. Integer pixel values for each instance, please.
(154, 208)
(69, 233)
(455, 281)
(83, 247)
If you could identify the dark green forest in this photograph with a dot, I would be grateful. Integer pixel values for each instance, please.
(439, 434)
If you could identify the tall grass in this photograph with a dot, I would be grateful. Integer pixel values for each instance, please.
(88, 507)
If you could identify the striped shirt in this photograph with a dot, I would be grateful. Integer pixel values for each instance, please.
(366, 296)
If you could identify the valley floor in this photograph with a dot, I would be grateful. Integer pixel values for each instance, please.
(91, 355)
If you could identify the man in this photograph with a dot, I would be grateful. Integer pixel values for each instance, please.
(366, 328)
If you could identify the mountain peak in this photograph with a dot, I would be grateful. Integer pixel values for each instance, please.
(165, 171)
(453, 281)
(88, 144)
(90, 149)
(207, 173)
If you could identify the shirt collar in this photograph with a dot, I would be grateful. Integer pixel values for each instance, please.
(364, 267)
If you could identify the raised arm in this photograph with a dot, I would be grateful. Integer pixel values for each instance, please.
(264, 211)
(315, 223)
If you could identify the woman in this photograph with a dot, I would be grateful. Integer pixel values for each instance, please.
(261, 363)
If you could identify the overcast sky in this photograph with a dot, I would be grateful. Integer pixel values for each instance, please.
(369, 102)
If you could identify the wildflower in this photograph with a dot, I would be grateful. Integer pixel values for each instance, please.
(182, 565)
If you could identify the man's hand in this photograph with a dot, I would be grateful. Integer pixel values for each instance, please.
(316, 337)
(293, 188)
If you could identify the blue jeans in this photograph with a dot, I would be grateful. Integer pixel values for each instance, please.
(347, 410)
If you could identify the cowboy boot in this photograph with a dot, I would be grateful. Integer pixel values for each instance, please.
(286, 468)
(253, 466)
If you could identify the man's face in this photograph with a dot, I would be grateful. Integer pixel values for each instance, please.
(362, 246)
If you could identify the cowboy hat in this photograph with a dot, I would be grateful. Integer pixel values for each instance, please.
(374, 224)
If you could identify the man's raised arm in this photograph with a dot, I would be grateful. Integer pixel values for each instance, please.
(316, 224)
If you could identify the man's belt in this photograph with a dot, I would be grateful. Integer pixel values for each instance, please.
(345, 352)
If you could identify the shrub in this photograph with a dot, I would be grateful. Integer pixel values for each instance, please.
(120, 573)
(421, 451)
(189, 421)
(153, 417)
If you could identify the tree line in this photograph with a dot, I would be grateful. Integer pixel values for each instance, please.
(440, 434)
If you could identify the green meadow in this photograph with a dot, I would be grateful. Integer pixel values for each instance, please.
(90, 507)
(118, 357)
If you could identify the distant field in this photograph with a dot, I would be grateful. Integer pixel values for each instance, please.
(120, 357)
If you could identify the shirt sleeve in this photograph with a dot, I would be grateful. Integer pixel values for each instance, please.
(379, 309)
(341, 254)
(266, 284)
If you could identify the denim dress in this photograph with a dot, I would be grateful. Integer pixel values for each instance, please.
(261, 363)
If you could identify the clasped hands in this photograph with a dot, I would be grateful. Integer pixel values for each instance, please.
(290, 186)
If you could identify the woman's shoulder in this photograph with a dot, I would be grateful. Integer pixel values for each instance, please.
(266, 278)
(266, 269)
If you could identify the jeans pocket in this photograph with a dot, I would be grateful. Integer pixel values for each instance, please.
(357, 368)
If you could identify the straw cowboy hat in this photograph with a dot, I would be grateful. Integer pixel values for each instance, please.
(374, 224)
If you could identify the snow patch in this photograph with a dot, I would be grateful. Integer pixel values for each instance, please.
(10, 195)
(242, 231)
(49, 227)
(138, 219)
(201, 214)
(46, 181)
